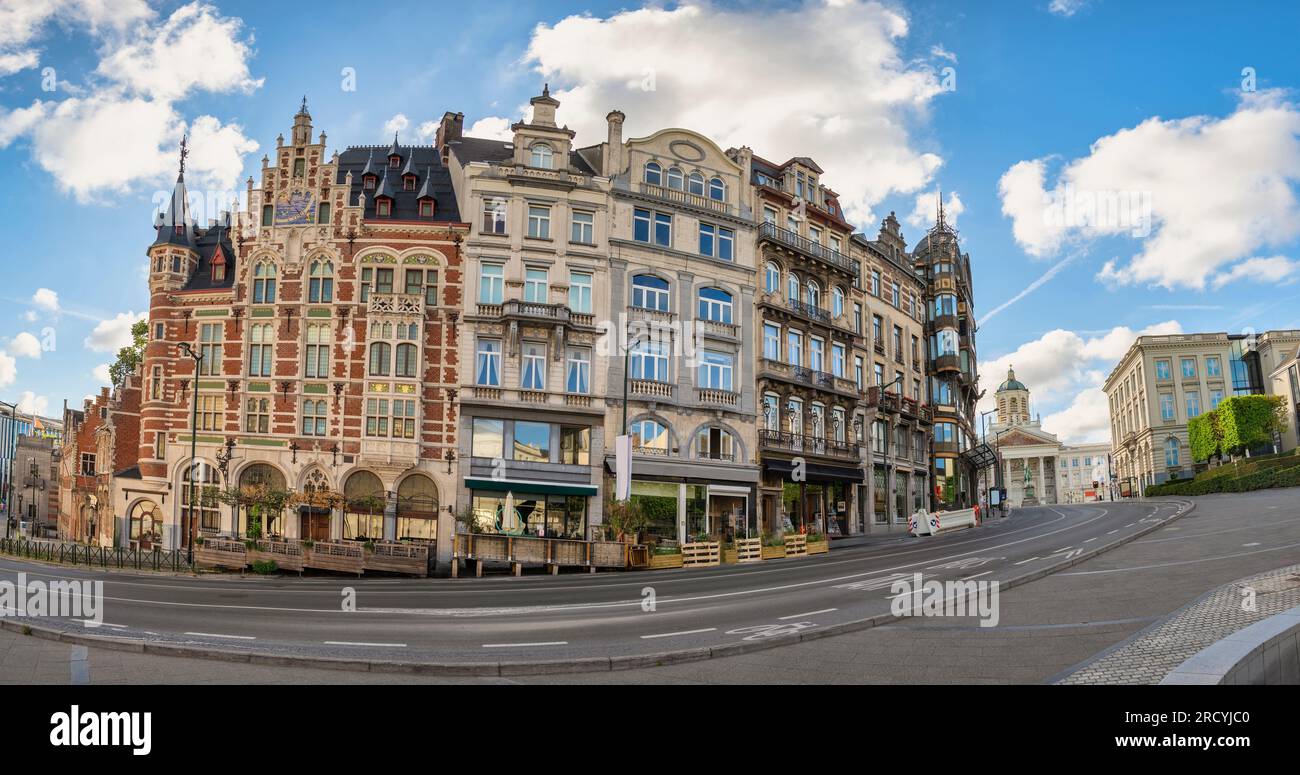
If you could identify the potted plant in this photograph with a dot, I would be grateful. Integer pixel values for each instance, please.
(624, 520)
(773, 546)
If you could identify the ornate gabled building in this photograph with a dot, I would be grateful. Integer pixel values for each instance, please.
(898, 414)
(533, 393)
(314, 336)
(952, 364)
(810, 440)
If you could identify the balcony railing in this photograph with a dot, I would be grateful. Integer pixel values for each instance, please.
(686, 198)
(530, 310)
(396, 304)
(893, 402)
(829, 256)
(822, 380)
(809, 310)
(716, 397)
(719, 328)
(812, 445)
(649, 387)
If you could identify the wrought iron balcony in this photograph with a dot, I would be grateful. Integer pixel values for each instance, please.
(786, 441)
(814, 250)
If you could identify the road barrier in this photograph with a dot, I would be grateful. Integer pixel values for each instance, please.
(923, 523)
(97, 556)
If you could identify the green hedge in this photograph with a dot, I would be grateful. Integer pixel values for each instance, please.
(1279, 472)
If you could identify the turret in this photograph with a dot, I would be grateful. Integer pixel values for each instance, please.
(173, 255)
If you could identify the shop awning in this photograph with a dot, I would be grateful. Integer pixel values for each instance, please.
(525, 485)
(981, 456)
(818, 472)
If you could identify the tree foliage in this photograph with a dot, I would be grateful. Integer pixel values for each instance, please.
(1249, 421)
(129, 357)
(1205, 436)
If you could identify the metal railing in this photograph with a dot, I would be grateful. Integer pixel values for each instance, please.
(798, 442)
(96, 556)
(814, 250)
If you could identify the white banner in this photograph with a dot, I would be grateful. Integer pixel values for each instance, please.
(622, 468)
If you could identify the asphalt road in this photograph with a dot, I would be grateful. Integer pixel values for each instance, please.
(545, 618)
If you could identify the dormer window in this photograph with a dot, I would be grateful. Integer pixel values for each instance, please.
(368, 182)
(180, 228)
(218, 266)
(542, 156)
(426, 208)
(383, 207)
(394, 161)
(408, 182)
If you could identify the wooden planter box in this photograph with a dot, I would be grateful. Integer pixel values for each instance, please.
(221, 553)
(774, 552)
(796, 545)
(287, 555)
(487, 547)
(819, 547)
(528, 550)
(749, 550)
(411, 559)
(704, 554)
(338, 556)
(658, 561)
(730, 556)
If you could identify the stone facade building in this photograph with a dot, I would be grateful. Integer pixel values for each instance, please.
(99, 472)
(1026, 452)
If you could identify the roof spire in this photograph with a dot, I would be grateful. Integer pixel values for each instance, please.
(940, 221)
(184, 152)
(303, 109)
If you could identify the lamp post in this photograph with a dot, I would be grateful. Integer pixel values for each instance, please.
(9, 474)
(194, 444)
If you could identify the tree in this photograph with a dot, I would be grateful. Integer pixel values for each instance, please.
(129, 357)
(1205, 436)
(1250, 421)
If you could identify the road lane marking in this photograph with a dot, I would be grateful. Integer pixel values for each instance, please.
(1090, 540)
(356, 643)
(525, 645)
(1058, 551)
(92, 623)
(1113, 532)
(1253, 543)
(218, 635)
(1131, 524)
(804, 616)
(675, 634)
(977, 575)
(1022, 562)
(1182, 562)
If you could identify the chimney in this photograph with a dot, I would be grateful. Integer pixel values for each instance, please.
(613, 161)
(450, 129)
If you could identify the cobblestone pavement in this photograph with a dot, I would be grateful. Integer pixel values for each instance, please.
(1153, 653)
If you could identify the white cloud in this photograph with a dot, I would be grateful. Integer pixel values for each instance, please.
(926, 212)
(1059, 368)
(23, 21)
(426, 131)
(30, 403)
(46, 300)
(1197, 194)
(1274, 269)
(18, 61)
(122, 129)
(939, 52)
(1067, 8)
(397, 123)
(113, 334)
(762, 86)
(491, 128)
(8, 369)
(101, 374)
(25, 345)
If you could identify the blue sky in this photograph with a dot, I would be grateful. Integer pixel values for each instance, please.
(1143, 101)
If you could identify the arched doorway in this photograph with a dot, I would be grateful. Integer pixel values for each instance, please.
(261, 475)
(417, 509)
(363, 516)
(314, 519)
(205, 517)
(145, 526)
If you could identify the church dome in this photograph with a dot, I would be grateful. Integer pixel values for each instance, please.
(1012, 383)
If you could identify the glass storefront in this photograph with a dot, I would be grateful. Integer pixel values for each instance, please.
(146, 525)
(658, 501)
(709, 513)
(363, 515)
(900, 496)
(881, 501)
(261, 475)
(543, 516)
(417, 509)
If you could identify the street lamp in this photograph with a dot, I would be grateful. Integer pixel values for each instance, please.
(194, 444)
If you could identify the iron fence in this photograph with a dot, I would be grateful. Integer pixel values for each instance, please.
(97, 556)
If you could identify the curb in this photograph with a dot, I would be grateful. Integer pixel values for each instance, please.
(553, 667)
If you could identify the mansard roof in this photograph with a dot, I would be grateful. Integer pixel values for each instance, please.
(437, 182)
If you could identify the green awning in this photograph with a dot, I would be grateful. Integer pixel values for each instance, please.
(523, 485)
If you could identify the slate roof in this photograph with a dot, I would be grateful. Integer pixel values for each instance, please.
(208, 242)
(424, 161)
(472, 149)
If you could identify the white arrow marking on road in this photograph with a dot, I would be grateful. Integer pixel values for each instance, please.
(525, 645)
(675, 634)
(810, 613)
(375, 645)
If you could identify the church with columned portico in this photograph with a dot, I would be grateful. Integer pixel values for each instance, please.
(1027, 453)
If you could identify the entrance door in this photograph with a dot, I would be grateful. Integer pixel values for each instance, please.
(314, 525)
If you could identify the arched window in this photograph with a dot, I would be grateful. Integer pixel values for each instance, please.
(676, 180)
(792, 287)
(715, 444)
(381, 354)
(417, 509)
(1172, 448)
(771, 278)
(321, 285)
(407, 355)
(654, 174)
(146, 525)
(771, 411)
(363, 516)
(814, 294)
(261, 476)
(264, 274)
(650, 437)
(715, 305)
(695, 184)
(837, 301)
(650, 292)
(543, 156)
(717, 189)
(206, 516)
